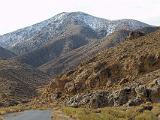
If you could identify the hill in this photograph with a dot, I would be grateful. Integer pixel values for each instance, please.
(70, 60)
(19, 82)
(127, 74)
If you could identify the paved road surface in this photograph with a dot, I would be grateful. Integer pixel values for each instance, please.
(30, 115)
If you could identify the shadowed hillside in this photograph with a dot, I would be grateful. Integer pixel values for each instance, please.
(5, 53)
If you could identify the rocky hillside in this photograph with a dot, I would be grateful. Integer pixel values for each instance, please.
(5, 53)
(70, 60)
(33, 37)
(128, 74)
(19, 82)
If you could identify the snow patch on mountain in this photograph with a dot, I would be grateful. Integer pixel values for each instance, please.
(38, 35)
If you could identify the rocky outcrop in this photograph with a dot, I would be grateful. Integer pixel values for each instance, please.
(128, 96)
(135, 35)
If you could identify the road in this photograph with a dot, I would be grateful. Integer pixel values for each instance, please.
(30, 115)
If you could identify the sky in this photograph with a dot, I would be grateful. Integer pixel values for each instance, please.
(16, 14)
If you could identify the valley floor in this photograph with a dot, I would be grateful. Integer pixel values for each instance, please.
(62, 113)
(114, 113)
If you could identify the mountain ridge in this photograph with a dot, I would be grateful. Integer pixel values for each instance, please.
(47, 30)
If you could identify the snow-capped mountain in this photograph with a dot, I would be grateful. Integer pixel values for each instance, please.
(33, 37)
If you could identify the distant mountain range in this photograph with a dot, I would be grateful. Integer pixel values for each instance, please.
(33, 37)
(57, 44)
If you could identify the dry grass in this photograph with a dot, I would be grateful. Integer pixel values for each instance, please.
(113, 113)
(146, 115)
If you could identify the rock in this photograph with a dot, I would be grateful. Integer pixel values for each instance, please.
(85, 99)
(121, 96)
(155, 82)
(144, 93)
(99, 100)
(93, 100)
(155, 94)
(79, 100)
(154, 89)
(141, 91)
(73, 101)
(146, 107)
(135, 34)
(134, 102)
(128, 96)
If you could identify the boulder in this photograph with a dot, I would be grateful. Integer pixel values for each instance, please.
(122, 96)
(146, 107)
(135, 34)
(73, 101)
(134, 102)
(155, 94)
(99, 99)
(141, 91)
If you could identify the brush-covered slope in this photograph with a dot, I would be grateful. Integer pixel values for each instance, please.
(71, 59)
(18, 82)
(128, 74)
(5, 53)
(33, 37)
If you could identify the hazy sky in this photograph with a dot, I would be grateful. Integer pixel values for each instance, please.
(15, 14)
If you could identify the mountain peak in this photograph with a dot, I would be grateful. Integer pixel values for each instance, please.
(38, 35)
